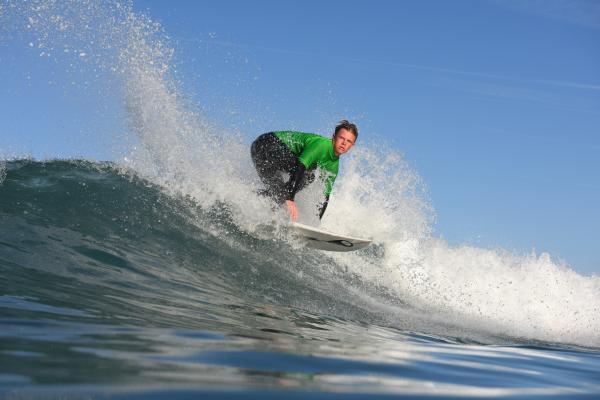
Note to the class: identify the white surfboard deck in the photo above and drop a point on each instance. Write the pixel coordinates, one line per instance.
(323, 240)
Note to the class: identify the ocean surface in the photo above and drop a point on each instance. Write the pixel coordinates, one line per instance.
(161, 274)
(110, 287)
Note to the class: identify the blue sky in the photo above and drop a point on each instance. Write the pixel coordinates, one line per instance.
(496, 104)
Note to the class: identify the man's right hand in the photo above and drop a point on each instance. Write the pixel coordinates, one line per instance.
(292, 209)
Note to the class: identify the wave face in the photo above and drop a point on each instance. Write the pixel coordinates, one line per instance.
(105, 277)
(168, 248)
(98, 232)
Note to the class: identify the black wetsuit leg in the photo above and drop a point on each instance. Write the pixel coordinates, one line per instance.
(271, 158)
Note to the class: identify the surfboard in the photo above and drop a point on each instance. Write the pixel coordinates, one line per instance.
(324, 240)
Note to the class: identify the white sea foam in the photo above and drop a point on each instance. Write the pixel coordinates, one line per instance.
(495, 291)
(377, 195)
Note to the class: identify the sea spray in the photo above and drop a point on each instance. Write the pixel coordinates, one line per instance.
(379, 194)
(458, 290)
(168, 142)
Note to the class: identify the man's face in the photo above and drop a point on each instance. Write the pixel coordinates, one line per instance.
(343, 141)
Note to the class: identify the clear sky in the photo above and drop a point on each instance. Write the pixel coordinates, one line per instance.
(496, 104)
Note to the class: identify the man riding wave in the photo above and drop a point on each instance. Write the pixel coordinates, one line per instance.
(299, 154)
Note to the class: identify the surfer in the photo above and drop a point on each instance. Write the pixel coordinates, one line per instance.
(299, 154)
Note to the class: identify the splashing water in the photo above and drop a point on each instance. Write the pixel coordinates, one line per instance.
(377, 194)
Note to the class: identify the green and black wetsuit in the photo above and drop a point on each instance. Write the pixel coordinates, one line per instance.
(298, 154)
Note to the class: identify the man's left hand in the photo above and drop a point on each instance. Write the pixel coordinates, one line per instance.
(292, 209)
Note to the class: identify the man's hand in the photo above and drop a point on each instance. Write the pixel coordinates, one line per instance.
(292, 210)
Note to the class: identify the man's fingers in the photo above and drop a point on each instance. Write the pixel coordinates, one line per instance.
(292, 210)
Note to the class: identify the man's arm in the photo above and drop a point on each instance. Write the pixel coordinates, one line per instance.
(323, 206)
(295, 182)
(292, 187)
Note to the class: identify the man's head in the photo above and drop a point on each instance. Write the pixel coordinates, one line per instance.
(344, 137)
